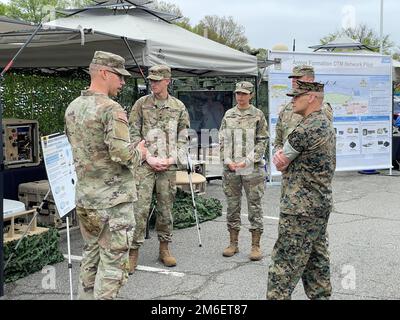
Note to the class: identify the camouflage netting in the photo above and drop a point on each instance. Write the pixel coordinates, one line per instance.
(33, 253)
(35, 95)
(183, 213)
(45, 97)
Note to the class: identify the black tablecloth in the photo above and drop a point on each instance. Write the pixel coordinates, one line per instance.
(16, 176)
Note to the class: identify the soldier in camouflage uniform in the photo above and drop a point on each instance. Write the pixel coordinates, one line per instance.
(97, 128)
(307, 162)
(162, 120)
(288, 120)
(243, 141)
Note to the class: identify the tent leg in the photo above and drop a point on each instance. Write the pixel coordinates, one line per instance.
(69, 262)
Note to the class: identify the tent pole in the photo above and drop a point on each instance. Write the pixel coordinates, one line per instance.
(9, 65)
(134, 59)
(1, 193)
(6, 68)
(256, 88)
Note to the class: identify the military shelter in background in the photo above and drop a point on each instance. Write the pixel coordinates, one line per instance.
(142, 36)
(71, 41)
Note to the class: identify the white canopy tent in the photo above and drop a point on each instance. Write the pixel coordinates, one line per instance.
(12, 25)
(71, 41)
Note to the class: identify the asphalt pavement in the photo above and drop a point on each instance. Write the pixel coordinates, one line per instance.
(364, 238)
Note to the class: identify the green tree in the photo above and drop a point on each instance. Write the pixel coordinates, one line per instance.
(37, 10)
(3, 9)
(220, 29)
(260, 53)
(224, 30)
(396, 53)
(31, 10)
(184, 22)
(79, 3)
(364, 35)
(164, 6)
(174, 9)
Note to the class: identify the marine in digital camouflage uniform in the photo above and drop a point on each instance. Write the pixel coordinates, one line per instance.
(287, 119)
(162, 120)
(243, 141)
(308, 162)
(97, 128)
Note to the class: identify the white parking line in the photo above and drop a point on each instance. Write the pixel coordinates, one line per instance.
(142, 268)
(76, 258)
(272, 218)
(265, 217)
(161, 271)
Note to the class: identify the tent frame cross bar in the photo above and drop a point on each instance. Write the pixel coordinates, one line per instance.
(134, 59)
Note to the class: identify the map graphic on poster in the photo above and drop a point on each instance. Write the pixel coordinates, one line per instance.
(60, 170)
(359, 89)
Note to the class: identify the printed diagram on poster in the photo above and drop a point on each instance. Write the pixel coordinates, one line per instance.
(359, 89)
(60, 169)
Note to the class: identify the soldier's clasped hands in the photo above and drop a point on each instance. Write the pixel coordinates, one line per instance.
(280, 161)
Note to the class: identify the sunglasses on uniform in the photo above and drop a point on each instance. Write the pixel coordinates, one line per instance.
(120, 76)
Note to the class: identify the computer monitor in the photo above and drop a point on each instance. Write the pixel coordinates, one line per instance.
(206, 107)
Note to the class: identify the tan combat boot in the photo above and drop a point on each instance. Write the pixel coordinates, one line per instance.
(233, 246)
(133, 258)
(165, 256)
(255, 254)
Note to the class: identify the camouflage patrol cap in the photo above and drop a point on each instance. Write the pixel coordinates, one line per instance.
(159, 72)
(245, 87)
(304, 87)
(301, 71)
(113, 61)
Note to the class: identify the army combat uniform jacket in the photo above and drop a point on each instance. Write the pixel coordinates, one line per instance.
(243, 136)
(97, 128)
(163, 124)
(164, 127)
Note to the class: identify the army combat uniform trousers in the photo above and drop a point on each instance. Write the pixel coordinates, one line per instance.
(301, 251)
(165, 184)
(254, 187)
(107, 234)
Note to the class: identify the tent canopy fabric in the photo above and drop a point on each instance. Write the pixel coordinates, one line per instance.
(341, 43)
(12, 25)
(152, 40)
(113, 4)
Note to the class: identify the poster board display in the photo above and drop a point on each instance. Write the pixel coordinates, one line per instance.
(58, 159)
(359, 89)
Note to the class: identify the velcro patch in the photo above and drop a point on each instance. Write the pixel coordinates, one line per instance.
(121, 116)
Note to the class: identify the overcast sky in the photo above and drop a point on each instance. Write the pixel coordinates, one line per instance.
(268, 22)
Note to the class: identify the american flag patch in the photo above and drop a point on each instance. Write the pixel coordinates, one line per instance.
(121, 115)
